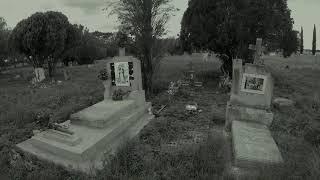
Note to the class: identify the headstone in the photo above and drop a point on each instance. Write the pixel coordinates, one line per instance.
(39, 74)
(66, 74)
(248, 114)
(98, 129)
(190, 78)
(252, 86)
(125, 74)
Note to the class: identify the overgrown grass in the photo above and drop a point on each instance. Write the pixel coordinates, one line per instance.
(140, 160)
(296, 129)
(24, 108)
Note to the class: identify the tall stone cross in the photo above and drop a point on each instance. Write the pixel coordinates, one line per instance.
(258, 50)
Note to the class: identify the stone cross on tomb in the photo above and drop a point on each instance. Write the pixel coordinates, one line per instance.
(258, 51)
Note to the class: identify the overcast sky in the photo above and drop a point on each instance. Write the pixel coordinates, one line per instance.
(90, 14)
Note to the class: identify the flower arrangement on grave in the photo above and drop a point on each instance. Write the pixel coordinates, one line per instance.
(173, 88)
(119, 94)
(225, 83)
(103, 74)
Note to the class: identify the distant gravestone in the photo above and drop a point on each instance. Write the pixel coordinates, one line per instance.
(39, 74)
(190, 78)
(66, 74)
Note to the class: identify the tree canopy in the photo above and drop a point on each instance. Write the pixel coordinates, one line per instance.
(4, 35)
(301, 41)
(314, 40)
(43, 37)
(228, 27)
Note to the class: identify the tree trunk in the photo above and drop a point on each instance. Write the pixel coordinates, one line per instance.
(51, 68)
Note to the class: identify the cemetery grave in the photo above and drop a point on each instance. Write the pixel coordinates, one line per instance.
(248, 115)
(100, 128)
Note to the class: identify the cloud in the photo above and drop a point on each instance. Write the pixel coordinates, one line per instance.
(88, 6)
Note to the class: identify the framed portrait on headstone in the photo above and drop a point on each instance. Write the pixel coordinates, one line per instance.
(121, 71)
(254, 83)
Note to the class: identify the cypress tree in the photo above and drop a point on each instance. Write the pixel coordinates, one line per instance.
(301, 41)
(314, 41)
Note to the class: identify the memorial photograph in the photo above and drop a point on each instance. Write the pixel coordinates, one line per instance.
(253, 83)
(122, 74)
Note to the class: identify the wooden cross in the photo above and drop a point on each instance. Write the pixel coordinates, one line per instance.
(258, 51)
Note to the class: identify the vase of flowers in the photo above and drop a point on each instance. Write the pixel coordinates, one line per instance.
(103, 76)
(119, 94)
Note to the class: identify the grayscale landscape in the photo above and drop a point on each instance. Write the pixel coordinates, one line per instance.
(159, 89)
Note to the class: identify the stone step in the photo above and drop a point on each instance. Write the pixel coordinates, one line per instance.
(94, 142)
(242, 113)
(103, 114)
(91, 138)
(253, 146)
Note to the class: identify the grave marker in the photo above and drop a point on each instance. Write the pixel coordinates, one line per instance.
(39, 73)
(100, 128)
(248, 114)
(190, 78)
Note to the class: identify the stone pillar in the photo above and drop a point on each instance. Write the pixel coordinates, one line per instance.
(236, 76)
(107, 89)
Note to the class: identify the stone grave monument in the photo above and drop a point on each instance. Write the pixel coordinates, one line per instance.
(248, 115)
(190, 78)
(98, 129)
(39, 74)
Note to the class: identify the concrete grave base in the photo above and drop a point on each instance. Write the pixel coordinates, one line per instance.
(102, 114)
(242, 113)
(253, 146)
(283, 102)
(84, 150)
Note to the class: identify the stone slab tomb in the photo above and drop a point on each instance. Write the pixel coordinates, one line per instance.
(253, 145)
(248, 115)
(100, 128)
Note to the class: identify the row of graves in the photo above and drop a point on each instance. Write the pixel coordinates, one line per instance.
(249, 115)
(81, 142)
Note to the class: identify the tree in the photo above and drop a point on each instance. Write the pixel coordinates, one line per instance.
(227, 27)
(290, 43)
(314, 41)
(145, 20)
(42, 37)
(301, 41)
(4, 36)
